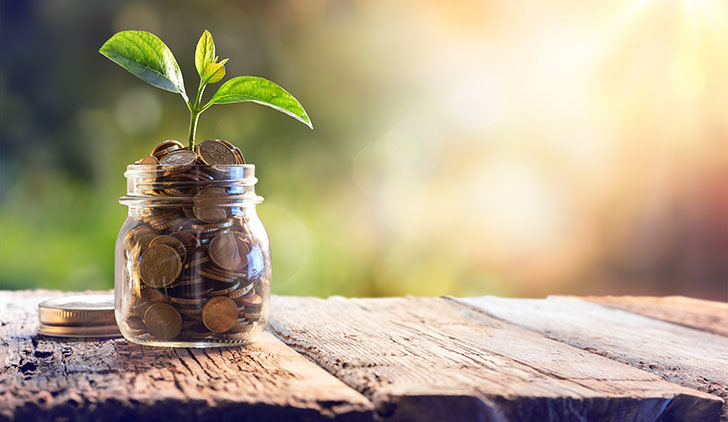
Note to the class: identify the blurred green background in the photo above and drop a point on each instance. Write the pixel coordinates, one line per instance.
(464, 148)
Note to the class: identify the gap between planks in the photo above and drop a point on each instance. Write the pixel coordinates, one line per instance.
(704, 315)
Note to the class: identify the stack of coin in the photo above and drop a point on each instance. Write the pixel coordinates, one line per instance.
(193, 265)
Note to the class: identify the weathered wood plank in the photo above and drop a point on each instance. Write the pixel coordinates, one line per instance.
(430, 359)
(705, 315)
(48, 379)
(682, 355)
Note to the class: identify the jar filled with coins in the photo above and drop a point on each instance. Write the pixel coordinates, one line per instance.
(193, 262)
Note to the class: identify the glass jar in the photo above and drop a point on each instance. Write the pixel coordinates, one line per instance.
(192, 259)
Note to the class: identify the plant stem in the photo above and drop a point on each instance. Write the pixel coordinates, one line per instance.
(195, 112)
(193, 128)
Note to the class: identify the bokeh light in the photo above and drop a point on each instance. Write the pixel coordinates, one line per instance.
(470, 147)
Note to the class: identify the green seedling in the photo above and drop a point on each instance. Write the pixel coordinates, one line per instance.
(147, 57)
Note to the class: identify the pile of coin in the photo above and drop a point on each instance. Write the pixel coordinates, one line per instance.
(194, 268)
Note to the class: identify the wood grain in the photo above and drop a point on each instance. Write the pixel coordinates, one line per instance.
(704, 315)
(430, 359)
(63, 379)
(682, 355)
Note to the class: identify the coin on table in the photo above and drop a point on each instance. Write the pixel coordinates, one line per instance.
(162, 321)
(219, 314)
(160, 266)
(178, 161)
(229, 252)
(207, 207)
(165, 147)
(213, 152)
(149, 160)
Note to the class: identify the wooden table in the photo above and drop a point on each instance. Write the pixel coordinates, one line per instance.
(405, 359)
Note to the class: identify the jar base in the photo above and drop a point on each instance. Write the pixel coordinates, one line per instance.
(197, 344)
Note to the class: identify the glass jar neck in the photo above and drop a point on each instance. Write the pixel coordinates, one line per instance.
(211, 186)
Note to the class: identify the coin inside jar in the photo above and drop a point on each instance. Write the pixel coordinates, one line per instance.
(219, 314)
(162, 321)
(191, 255)
(229, 251)
(172, 242)
(205, 208)
(160, 266)
(189, 241)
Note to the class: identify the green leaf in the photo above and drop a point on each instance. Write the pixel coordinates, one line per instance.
(205, 52)
(261, 91)
(214, 72)
(147, 57)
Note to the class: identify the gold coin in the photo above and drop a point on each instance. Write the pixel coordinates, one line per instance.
(151, 296)
(189, 311)
(214, 275)
(168, 222)
(213, 152)
(252, 303)
(197, 301)
(149, 160)
(219, 314)
(239, 155)
(188, 280)
(223, 291)
(236, 151)
(165, 147)
(252, 317)
(190, 323)
(192, 291)
(242, 292)
(172, 242)
(162, 321)
(239, 336)
(134, 323)
(160, 266)
(229, 252)
(242, 325)
(189, 240)
(196, 260)
(226, 142)
(137, 239)
(212, 227)
(207, 207)
(145, 240)
(178, 161)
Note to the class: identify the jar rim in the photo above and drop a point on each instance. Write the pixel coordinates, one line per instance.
(146, 180)
(135, 168)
